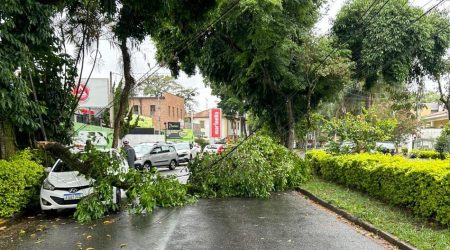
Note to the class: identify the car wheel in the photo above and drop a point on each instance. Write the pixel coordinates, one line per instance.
(147, 166)
(172, 165)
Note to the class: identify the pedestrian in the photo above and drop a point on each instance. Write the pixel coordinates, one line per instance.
(131, 154)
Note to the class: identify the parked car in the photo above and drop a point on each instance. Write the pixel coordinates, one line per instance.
(197, 148)
(63, 188)
(385, 147)
(185, 152)
(214, 149)
(155, 155)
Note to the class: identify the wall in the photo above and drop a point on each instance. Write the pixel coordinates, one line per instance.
(168, 100)
(136, 139)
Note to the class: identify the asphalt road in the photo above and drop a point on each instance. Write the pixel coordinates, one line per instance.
(285, 221)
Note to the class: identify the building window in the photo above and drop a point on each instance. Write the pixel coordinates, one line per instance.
(152, 110)
(173, 111)
(202, 124)
(178, 113)
(169, 110)
(136, 109)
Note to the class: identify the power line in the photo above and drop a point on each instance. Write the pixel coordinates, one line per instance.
(156, 67)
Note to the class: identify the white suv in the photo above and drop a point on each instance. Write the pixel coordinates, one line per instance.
(155, 155)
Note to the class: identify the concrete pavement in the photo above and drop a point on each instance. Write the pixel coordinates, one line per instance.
(285, 221)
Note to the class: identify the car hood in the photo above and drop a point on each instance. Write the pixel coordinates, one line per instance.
(183, 151)
(67, 179)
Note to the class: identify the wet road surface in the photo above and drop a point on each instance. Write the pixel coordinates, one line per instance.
(285, 221)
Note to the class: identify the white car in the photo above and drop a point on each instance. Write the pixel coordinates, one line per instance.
(185, 152)
(63, 188)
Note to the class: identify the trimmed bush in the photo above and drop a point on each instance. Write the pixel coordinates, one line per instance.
(257, 167)
(20, 179)
(423, 186)
(425, 154)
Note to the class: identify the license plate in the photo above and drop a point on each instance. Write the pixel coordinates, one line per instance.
(75, 196)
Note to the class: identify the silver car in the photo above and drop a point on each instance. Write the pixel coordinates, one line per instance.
(155, 155)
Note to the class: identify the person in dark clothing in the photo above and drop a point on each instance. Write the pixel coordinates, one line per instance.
(131, 154)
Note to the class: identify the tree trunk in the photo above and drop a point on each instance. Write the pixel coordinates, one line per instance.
(7, 139)
(243, 126)
(291, 125)
(368, 101)
(129, 85)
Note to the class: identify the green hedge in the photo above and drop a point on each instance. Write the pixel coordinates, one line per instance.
(256, 168)
(423, 186)
(20, 179)
(425, 154)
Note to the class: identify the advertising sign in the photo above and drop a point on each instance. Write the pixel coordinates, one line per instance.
(215, 121)
(99, 136)
(182, 135)
(173, 126)
(96, 92)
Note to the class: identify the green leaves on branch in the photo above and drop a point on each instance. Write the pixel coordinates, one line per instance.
(258, 167)
(363, 130)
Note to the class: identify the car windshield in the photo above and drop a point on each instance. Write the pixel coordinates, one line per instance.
(182, 146)
(62, 167)
(142, 149)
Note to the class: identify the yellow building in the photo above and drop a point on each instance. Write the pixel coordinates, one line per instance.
(435, 120)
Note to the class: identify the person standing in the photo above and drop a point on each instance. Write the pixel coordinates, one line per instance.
(131, 154)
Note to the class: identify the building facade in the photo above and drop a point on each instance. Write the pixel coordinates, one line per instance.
(163, 109)
(202, 125)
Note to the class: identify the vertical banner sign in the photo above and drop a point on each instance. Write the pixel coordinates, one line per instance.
(215, 120)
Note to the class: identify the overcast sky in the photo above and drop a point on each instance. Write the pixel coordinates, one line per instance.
(144, 58)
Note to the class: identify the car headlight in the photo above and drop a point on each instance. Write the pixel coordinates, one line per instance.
(47, 185)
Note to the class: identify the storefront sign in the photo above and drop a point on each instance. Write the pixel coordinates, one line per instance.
(173, 126)
(215, 121)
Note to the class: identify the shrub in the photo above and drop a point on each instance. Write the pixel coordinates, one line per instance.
(20, 179)
(423, 186)
(425, 154)
(404, 150)
(256, 168)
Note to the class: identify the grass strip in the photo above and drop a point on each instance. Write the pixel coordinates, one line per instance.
(397, 221)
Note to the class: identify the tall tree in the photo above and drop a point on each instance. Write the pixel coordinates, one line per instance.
(443, 82)
(256, 52)
(393, 43)
(31, 61)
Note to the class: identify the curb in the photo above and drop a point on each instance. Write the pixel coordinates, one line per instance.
(365, 225)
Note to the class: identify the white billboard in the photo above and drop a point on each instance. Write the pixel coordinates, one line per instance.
(96, 94)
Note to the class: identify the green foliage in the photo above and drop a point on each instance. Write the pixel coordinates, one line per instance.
(425, 154)
(442, 144)
(404, 150)
(202, 142)
(20, 179)
(363, 130)
(145, 190)
(256, 168)
(403, 48)
(423, 186)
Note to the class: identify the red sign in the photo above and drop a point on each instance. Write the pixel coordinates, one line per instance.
(215, 119)
(82, 92)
